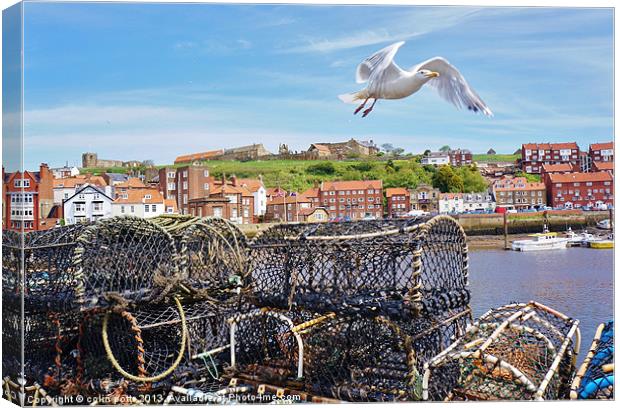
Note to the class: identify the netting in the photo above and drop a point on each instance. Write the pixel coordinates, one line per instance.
(393, 268)
(516, 352)
(595, 377)
(176, 307)
(121, 308)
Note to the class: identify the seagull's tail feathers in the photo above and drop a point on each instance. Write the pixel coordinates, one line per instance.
(352, 97)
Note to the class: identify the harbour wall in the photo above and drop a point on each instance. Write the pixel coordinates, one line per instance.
(493, 224)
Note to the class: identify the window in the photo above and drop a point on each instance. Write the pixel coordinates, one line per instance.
(206, 173)
(146, 208)
(147, 196)
(172, 186)
(185, 185)
(153, 208)
(122, 209)
(78, 207)
(206, 186)
(172, 174)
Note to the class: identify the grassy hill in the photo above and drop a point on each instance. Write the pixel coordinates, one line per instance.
(494, 158)
(299, 175)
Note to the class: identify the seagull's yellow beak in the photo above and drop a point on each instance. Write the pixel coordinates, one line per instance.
(432, 74)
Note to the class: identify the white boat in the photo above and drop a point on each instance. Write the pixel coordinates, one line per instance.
(541, 242)
(604, 224)
(579, 239)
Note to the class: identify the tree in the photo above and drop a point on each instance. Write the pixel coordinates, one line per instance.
(426, 153)
(398, 151)
(447, 181)
(325, 168)
(445, 148)
(387, 147)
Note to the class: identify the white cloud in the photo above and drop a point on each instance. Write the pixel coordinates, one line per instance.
(401, 26)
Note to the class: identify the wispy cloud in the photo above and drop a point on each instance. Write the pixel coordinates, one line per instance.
(399, 26)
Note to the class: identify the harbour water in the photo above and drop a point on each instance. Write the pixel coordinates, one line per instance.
(576, 281)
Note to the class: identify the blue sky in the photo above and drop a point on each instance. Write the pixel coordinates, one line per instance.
(153, 81)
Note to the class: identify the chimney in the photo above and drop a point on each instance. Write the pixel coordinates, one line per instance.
(223, 179)
(233, 179)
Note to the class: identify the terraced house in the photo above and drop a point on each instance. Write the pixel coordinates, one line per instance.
(519, 193)
(535, 155)
(578, 190)
(357, 199)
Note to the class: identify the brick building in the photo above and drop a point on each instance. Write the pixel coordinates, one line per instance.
(184, 184)
(602, 152)
(288, 208)
(577, 190)
(28, 199)
(228, 201)
(398, 201)
(356, 199)
(460, 157)
(534, 155)
(519, 193)
(603, 166)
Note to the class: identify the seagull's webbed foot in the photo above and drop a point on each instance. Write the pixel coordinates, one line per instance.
(359, 108)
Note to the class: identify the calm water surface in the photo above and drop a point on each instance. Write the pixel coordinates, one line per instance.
(576, 281)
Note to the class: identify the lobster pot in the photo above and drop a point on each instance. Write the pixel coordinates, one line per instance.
(595, 377)
(155, 342)
(128, 256)
(393, 268)
(46, 283)
(212, 253)
(49, 278)
(516, 352)
(342, 357)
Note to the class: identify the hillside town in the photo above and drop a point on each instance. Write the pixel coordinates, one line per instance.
(546, 176)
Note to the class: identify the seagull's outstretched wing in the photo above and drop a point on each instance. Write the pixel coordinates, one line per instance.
(379, 66)
(452, 86)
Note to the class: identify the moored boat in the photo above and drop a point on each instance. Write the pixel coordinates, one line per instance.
(604, 224)
(602, 244)
(541, 242)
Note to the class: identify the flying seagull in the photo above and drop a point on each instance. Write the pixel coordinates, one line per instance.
(386, 80)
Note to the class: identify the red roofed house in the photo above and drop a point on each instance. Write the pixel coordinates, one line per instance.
(353, 199)
(519, 193)
(603, 152)
(576, 190)
(603, 166)
(398, 201)
(140, 202)
(534, 155)
(197, 157)
(258, 190)
(229, 201)
(561, 168)
(317, 214)
(287, 208)
(28, 199)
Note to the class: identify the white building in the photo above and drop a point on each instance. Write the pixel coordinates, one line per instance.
(258, 190)
(66, 187)
(482, 201)
(436, 159)
(451, 203)
(139, 202)
(89, 203)
(64, 172)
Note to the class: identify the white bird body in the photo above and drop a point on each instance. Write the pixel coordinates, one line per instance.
(386, 80)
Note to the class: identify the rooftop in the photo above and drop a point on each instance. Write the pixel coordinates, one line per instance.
(580, 177)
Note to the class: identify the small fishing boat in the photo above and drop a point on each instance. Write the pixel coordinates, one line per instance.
(541, 242)
(579, 239)
(602, 244)
(604, 224)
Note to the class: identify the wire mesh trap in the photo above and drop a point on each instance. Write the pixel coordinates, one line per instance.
(122, 307)
(595, 377)
(516, 352)
(393, 268)
(332, 356)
